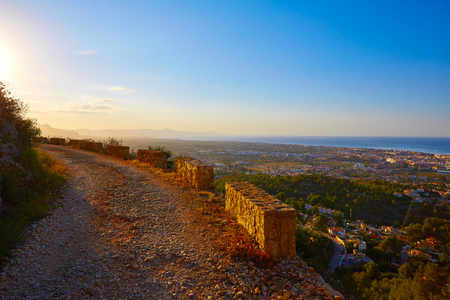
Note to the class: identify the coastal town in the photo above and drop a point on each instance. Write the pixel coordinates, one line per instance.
(383, 209)
(428, 172)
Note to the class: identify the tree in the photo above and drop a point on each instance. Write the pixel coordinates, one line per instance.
(290, 201)
(338, 218)
(392, 243)
(314, 210)
(414, 232)
(302, 205)
(363, 279)
(320, 223)
(402, 291)
(281, 196)
(372, 270)
(429, 284)
(14, 110)
(406, 271)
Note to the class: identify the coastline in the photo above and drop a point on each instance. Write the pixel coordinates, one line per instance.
(430, 145)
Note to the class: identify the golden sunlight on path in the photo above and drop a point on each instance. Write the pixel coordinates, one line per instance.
(120, 232)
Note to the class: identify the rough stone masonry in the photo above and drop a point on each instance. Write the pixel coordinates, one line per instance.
(270, 221)
(122, 152)
(157, 159)
(199, 175)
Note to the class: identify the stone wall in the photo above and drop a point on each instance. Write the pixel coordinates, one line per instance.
(91, 146)
(40, 140)
(156, 159)
(57, 141)
(86, 145)
(197, 174)
(122, 152)
(270, 221)
(75, 143)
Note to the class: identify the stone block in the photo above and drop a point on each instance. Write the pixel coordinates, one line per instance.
(156, 159)
(57, 141)
(199, 175)
(75, 143)
(40, 140)
(270, 221)
(91, 146)
(122, 152)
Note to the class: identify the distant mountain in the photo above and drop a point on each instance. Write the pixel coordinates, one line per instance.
(49, 131)
(144, 133)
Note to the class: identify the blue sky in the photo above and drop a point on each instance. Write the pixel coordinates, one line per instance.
(239, 67)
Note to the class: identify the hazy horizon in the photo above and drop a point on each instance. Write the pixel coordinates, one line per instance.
(236, 68)
(220, 134)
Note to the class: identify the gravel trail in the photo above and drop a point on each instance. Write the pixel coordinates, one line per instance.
(120, 232)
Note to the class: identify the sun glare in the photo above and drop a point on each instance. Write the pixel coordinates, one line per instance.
(3, 63)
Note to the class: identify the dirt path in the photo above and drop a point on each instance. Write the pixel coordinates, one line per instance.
(120, 232)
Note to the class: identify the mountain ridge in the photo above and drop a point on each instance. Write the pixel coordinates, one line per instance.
(48, 130)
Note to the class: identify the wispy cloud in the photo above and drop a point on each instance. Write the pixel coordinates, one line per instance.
(115, 88)
(85, 52)
(92, 107)
(107, 101)
(76, 112)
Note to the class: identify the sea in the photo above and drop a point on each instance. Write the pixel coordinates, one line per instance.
(434, 145)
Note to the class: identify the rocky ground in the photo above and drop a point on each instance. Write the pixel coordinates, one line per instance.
(120, 232)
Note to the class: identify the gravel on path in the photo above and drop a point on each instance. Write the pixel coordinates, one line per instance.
(120, 232)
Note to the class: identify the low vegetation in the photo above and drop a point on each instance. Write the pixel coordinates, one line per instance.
(414, 280)
(27, 195)
(110, 141)
(314, 248)
(31, 182)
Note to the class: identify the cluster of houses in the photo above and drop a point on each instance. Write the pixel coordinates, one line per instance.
(425, 249)
(421, 195)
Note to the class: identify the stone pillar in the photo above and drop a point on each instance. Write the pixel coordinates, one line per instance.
(199, 175)
(122, 152)
(156, 159)
(92, 146)
(270, 221)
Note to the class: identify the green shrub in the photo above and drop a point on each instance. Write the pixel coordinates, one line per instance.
(314, 248)
(110, 141)
(27, 195)
(14, 110)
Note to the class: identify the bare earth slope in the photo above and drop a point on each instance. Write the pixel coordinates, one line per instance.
(120, 232)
